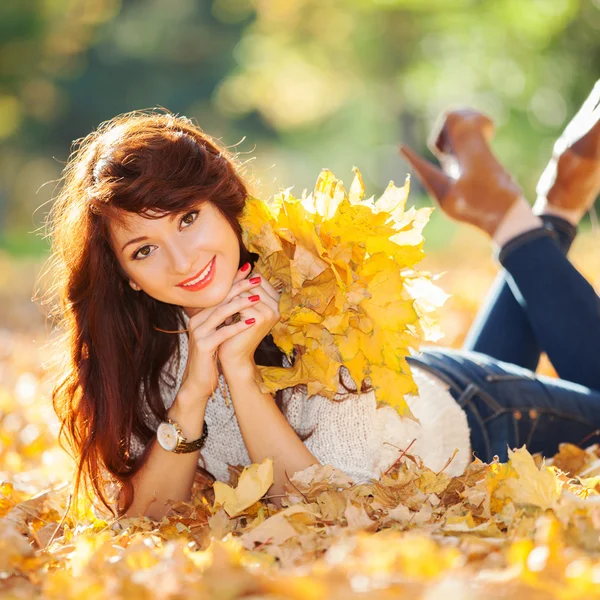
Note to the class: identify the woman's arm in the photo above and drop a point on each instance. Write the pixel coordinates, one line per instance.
(265, 429)
(166, 475)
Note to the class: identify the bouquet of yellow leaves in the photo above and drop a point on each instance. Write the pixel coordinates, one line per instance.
(350, 295)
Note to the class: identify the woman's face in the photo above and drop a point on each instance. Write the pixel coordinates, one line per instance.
(159, 255)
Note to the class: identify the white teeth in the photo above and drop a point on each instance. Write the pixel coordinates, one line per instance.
(200, 277)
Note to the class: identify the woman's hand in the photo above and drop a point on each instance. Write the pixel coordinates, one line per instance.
(205, 336)
(238, 350)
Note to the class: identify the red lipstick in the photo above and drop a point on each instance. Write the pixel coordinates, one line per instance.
(203, 282)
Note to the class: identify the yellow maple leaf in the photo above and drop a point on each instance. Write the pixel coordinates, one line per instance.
(350, 293)
(528, 485)
(253, 484)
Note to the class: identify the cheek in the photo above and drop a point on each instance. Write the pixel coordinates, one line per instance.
(233, 243)
(128, 274)
(150, 273)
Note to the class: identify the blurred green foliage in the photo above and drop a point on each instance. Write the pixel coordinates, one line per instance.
(295, 85)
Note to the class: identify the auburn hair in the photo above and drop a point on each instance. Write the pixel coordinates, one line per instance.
(112, 356)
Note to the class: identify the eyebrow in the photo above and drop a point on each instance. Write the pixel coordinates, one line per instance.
(133, 241)
(144, 237)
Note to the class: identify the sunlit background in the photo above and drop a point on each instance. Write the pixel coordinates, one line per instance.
(294, 86)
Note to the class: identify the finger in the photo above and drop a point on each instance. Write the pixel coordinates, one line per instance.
(270, 289)
(242, 272)
(266, 300)
(267, 286)
(239, 280)
(246, 284)
(241, 275)
(221, 313)
(225, 333)
(266, 305)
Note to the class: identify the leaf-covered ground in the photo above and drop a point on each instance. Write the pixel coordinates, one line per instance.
(528, 528)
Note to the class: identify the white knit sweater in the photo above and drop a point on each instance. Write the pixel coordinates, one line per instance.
(354, 435)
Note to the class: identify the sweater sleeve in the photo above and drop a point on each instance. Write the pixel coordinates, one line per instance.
(169, 382)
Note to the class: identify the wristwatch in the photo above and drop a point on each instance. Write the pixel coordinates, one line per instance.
(171, 438)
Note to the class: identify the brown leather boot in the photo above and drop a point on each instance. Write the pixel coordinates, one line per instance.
(571, 180)
(473, 187)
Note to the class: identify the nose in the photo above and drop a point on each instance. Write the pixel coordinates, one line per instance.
(181, 259)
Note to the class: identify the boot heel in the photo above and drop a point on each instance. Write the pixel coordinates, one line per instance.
(457, 122)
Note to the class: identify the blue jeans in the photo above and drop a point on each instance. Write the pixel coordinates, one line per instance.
(539, 302)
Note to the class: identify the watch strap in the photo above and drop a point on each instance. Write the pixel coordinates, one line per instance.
(183, 445)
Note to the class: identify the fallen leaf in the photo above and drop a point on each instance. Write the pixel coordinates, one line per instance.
(253, 484)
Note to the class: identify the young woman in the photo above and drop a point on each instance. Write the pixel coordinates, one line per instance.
(151, 272)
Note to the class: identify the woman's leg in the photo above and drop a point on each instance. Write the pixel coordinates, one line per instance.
(508, 406)
(501, 328)
(562, 308)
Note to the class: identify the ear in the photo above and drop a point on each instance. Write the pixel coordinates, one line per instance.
(134, 286)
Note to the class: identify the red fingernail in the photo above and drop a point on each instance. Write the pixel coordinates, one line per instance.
(254, 279)
(254, 298)
(245, 267)
(250, 321)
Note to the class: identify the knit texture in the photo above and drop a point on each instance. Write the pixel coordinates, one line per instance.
(353, 435)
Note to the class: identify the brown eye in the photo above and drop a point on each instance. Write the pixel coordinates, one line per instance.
(142, 252)
(189, 218)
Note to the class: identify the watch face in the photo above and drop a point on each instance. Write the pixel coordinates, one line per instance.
(166, 434)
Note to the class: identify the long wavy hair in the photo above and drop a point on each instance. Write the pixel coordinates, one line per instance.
(113, 355)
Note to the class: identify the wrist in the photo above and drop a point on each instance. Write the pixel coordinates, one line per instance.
(188, 410)
(239, 370)
(188, 396)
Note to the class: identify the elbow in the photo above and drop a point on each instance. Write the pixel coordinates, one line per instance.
(151, 510)
(133, 506)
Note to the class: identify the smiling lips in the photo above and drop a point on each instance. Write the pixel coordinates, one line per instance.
(201, 279)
